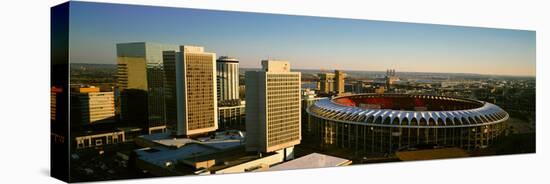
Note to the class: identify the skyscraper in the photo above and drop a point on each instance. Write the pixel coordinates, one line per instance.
(339, 83)
(227, 70)
(140, 80)
(191, 100)
(332, 83)
(326, 82)
(273, 108)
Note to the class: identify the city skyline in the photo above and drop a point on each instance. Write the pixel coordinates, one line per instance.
(169, 106)
(311, 42)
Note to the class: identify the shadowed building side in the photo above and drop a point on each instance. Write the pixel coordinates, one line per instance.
(140, 66)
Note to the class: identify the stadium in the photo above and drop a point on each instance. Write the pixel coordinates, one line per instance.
(385, 123)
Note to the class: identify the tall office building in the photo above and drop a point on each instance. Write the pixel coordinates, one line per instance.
(326, 82)
(332, 83)
(140, 82)
(273, 108)
(191, 101)
(227, 70)
(339, 83)
(90, 106)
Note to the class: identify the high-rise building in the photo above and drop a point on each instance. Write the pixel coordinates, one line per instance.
(339, 83)
(90, 106)
(273, 108)
(332, 83)
(227, 70)
(140, 82)
(191, 100)
(326, 82)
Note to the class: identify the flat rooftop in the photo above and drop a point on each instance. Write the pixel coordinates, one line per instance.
(230, 158)
(220, 140)
(160, 155)
(314, 160)
(165, 139)
(170, 149)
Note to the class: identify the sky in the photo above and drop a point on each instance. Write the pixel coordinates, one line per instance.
(306, 42)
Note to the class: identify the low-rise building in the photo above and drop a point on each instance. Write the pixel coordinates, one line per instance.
(95, 139)
(231, 115)
(91, 106)
(103, 136)
(313, 160)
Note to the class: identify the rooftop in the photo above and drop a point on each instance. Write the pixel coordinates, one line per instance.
(165, 139)
(314, 160)
(224, 140)
(220, 140)
(230, 158)
(167, 151)
(407, 102)
(227, 59)
(408, 110)
(161, 155)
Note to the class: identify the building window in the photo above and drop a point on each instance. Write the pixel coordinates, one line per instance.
(98, 142)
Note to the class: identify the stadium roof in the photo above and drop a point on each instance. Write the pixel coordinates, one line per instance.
(483, 114)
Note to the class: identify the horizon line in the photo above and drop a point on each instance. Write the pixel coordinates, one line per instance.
(397, 71)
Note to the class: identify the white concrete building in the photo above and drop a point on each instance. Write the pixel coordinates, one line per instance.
(273, 108)
(227, 70)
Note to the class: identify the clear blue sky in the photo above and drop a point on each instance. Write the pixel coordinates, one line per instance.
(307, 42)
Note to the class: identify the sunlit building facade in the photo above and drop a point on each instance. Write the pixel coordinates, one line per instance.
(273, 108)
(91, 106)
(332, 83)
(326, 82)
(191, 99)
(339, 81)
